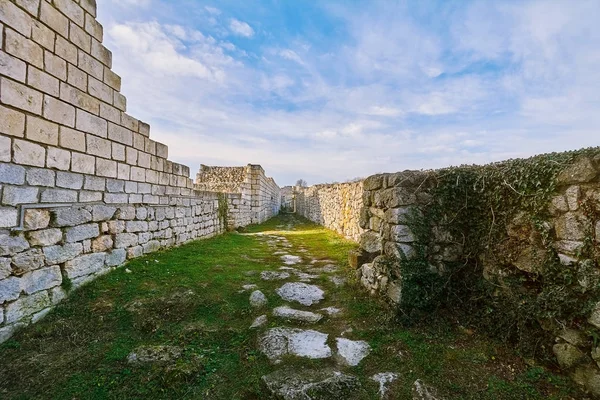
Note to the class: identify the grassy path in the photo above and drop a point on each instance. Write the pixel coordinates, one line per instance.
(186, 316)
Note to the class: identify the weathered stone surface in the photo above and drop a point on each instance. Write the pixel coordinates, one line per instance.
(8, 217)
(5, 269)
(85, 265)
(567, 355)
(70, 217)
(12, 174)
(259, 322)
(61, 254)
(26, 306)
(102, 243)
(28, 261)
(401, 234)
(291, 260)
(581, 171)
(36, 219)
(15, 195)
(10, 288)
(41, 279)
(82, 232)
(370, 242)
(277, 342)
(332, 310)
(594, 318)
(258, 299)
(296, 315)
(273, 275)
(301, 292)
(124, 240)
(154, 354)
(570, 226)
(352, 352)
(151, 246)
(116, 257)
(322, 384)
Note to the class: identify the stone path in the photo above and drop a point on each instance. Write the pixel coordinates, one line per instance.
(291, 339)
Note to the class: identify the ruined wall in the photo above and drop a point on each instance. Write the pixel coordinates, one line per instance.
(335, 206)
(252, 196)
(83, 188)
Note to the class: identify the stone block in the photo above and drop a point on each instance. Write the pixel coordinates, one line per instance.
(103, 55)
(106, 168)
(124, 240)
(63, 217)
(12, 174)
(83, 163)
(24, 48)
(78, 78)
(100, 90)
(72, 10)
(115, 186)
(573, 195)
(58, 158)
(66, 50)
(79, 99)
(54, 19)
(59, 196)
(28, 261)
(116, 198)
(16, 18)
(45, 237)
(42, 81)
(138, 174)
(62, 113)
(8, 217)
(10, 289)
(13, 67)
(41, 34)
(371, 242)
(69, 180)
(110, 113)
(118, 152)
(82, 232)
(103, 213)
(11, 245)
(570, 226)
(116, 257)
(401, 233)
(12, 122)
(123, 171)
(120, 101)
(151, 246)
(120, 134)
(14, 195)
(102, 244)
(27, 153)
(21, 96)
(94, 183)
(135, 252)
(97, 126)
(113, 80)
(581, 171)
(70, 138)
(40, 177)
(93, 27)
(62, 254)
(143, 159)
(5, 269)
(115, 227)
(26, 306)
(41, 279)
(35, 219)
(85, 265)
(90, 65)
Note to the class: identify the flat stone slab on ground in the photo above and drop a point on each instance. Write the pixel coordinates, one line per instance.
(291, 384)
(351, 352)
(301, 292)
(338, 280)
(277, 342)
(154, 354)
(296, 315)
(259, 321)
(274, 275)
(304, 277)
(324, 269)
(258, 299)
(291, 260)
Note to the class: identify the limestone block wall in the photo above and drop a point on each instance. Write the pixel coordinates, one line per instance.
(335, 206)
(253, 197)
(83, 187)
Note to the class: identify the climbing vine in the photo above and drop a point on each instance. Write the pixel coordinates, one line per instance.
(223, 210)
(490, 212)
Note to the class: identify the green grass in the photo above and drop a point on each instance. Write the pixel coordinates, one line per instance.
(188, 297)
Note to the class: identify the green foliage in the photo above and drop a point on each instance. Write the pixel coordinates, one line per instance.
(223, 210)
(476, 205)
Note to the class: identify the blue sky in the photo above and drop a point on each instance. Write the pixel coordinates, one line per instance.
(333, 90)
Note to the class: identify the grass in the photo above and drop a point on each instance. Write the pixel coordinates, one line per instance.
(189, 297)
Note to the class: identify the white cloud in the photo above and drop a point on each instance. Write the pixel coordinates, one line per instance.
(240, 28)
(213, 10)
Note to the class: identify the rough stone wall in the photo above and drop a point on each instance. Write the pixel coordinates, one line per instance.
(83, 188)
(336, 206)
(287, 198)
(253, 197)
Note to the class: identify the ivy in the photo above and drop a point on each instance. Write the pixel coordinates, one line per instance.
(476, 205)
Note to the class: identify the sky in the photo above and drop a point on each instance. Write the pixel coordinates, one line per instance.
(330, 91)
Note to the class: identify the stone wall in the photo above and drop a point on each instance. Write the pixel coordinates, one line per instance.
(252, 196)
(83, 187)
(335, 206)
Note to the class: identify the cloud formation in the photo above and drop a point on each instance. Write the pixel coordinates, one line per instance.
(332, 91)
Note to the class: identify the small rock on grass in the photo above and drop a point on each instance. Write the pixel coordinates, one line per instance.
(258, 299)
(274, 276)
(384, 379)
(296, 315)
(352, 352)
(259, 321)
(293, 384)
(302, 293)
(422, 391)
